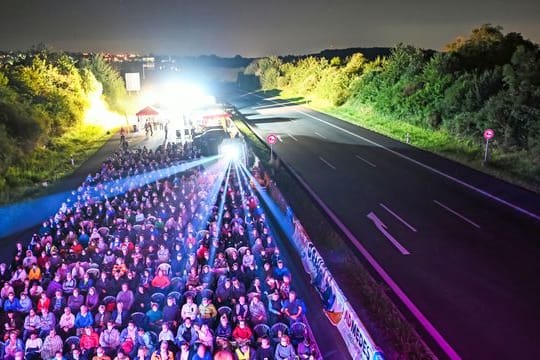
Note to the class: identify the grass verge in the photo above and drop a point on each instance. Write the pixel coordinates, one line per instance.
(47, 164)
(386, 324)
(518, 168)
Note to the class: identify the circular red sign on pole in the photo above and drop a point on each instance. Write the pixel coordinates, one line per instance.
(272, 139)
(489, 134)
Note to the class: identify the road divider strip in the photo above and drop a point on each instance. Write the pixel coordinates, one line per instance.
(366, 161)
(398, 217)
(292, 137)
(327, 163)
(457, 214)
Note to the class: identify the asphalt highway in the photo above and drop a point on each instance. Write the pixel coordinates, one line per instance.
(460, 249)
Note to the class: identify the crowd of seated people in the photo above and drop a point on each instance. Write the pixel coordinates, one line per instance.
(157, 270)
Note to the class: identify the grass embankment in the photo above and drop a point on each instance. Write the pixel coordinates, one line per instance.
(387, 325)
(47, 164)
(514, 167)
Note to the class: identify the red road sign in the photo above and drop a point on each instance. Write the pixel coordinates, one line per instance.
(489, 134)
(272, 139)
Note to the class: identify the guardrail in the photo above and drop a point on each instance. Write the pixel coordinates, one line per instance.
(338, 310)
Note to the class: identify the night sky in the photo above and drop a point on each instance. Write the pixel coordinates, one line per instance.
(252, 27)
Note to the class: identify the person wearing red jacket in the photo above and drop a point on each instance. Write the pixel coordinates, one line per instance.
(242, 332)
(161, 281)
(43, 303)
(89, 341)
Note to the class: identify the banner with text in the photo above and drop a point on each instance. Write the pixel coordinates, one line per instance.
(337, 308)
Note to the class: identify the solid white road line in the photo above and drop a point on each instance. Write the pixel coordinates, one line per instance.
(366, 161)
(327, 163)
(320, 135)
(457, 214)
(292, 137)
(398, 217)
(450, 177)
(382, 228)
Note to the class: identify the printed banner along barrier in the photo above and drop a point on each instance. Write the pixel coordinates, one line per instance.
(336, 306)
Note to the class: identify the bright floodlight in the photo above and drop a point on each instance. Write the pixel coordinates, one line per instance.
(183, 96)
(231, 151)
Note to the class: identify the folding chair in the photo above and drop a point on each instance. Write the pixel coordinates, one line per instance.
(139, 318)
(297, 332)
(261, 330)
(158, 298)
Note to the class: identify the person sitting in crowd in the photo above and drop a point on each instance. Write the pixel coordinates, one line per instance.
(224, 329)
(101, 318)
(12, 345)
(66, 325)
(25, 303)
(89, 341)
(92, 299)
(32, 324)
(109, 338)
(83, 319)
(120, 316)
(52, 344)
(292, 308)
(43, 303)
(170, 311)
(186, 332)
(163, 352)
(245, 352)
(69, 284)
(284, 349)
(161, 280)
(154, 317)
(125, 296)
(165, 334)
(33, 347)
(47, 322)
(100, 354)
(205, 336)
(265, 349)
(202, 353)
(207, 311)
(242, 332)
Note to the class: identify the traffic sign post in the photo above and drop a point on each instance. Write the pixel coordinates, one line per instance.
(272, 139)
(488, 135)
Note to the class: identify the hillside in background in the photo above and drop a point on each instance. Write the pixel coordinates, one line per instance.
(370, 53)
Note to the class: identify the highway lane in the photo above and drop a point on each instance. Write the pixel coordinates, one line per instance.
(473, 261)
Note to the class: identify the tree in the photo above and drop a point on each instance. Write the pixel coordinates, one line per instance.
(114, 90)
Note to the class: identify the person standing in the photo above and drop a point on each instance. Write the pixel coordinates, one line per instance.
(166, 129)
